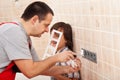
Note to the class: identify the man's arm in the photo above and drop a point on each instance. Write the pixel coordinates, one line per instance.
(31, 69)
(58, 70)
(60, 77)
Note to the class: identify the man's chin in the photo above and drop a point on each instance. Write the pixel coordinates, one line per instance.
(36, 35)
(40, 35)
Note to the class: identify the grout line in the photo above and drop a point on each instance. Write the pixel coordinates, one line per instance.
(96, 72)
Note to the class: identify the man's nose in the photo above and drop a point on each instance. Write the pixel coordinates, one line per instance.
(47, 29)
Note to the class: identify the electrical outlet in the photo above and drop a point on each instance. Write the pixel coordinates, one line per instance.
(89, 55)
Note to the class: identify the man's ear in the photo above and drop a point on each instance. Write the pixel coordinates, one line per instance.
(34, 19)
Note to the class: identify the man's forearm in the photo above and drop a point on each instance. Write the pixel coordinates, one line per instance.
(60, 77)
(32, 69)
(58, 70)
(55, 70)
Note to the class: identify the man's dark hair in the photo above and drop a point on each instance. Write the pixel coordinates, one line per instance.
(38, 8)
(67, 32)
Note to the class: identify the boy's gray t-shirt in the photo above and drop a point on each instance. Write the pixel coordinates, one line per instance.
(14, 44)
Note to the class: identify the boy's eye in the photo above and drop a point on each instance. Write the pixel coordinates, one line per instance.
(56, 35)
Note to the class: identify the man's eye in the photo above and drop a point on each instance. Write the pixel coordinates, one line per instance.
(46, 25)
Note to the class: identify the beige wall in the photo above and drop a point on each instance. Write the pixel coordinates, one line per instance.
(96, 27)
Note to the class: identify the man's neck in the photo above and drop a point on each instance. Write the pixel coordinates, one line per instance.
(26, 25)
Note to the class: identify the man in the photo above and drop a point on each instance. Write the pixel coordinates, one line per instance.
(17, 52)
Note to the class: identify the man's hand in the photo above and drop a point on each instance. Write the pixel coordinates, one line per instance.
(78, 62)
(64, 56)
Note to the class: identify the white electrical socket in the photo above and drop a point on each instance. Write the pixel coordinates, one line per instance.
(92, 56)
(82, 52)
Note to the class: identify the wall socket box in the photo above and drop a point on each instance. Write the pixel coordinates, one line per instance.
(89, 55)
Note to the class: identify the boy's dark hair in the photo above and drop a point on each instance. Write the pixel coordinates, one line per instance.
(38, 8)
(67, 32)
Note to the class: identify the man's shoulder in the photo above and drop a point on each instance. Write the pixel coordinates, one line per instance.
(8, 27)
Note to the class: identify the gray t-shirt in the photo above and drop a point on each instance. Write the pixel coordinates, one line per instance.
(14, 44)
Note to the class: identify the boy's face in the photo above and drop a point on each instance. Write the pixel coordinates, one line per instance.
(62, 42)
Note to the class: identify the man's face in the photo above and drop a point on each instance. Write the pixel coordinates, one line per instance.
(42, 26)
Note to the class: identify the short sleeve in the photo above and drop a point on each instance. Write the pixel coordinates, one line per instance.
(15, 44)
(34, 54)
